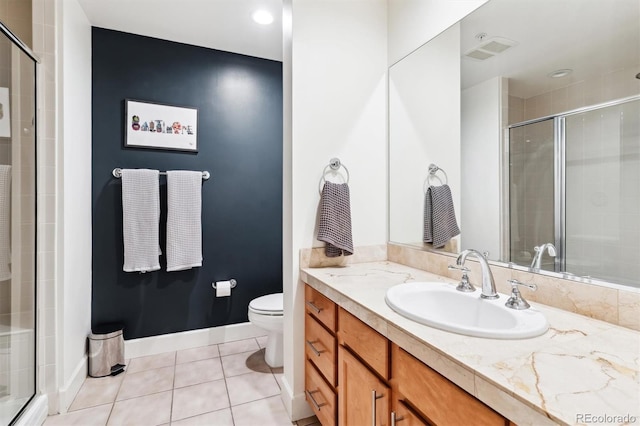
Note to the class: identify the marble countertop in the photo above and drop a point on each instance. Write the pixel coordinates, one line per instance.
(581, 371)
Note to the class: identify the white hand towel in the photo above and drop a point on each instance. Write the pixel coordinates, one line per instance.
(141, 220)
(184, 223)
(5, 222)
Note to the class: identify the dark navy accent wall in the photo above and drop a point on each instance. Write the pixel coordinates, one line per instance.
(239, 102)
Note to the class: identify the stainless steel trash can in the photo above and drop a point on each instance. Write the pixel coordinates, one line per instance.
(106, 350)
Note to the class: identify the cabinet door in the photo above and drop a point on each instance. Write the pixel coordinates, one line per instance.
(402, 415)
(363, 399)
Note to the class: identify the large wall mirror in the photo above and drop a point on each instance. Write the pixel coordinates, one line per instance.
(530, 111)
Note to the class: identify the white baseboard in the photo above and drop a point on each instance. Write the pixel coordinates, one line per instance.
(153, 345)
(36, 412)
(296, 405)
(68, 392)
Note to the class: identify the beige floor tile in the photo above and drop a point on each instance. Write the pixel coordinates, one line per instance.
(217, 418)
(146, 383)
(238, 346)
(278, 373)
(199, 399)
(197, 354)
(250, 387)
(197, 372)
(262, 341)
(309, 421)
(150, 362)
(97, 391)
(245, 362)
(146, 410)
(86, 417)
(269, 411)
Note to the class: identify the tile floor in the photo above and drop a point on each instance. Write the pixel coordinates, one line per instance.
(217, 385)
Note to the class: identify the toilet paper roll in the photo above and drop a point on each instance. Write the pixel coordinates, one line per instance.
(223, 288)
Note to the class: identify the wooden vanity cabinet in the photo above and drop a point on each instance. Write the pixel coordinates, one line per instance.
(321, 356)
(363, 370)
(438, 400)
(355, 376)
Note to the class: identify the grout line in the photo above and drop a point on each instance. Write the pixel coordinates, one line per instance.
(173, 385)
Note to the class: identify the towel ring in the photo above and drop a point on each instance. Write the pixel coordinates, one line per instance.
(433, 169)
(334, 165)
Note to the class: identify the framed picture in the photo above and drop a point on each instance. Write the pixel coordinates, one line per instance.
(5, 117)
(158, 126)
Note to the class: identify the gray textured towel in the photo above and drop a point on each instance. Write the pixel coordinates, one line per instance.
(335, 219)
(439, 216)
(140, 220)
(184, 223)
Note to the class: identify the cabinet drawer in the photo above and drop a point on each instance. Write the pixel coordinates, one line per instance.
(320, 307)
(439, 400)
(320, 396)
(320, 348)
(370, 345)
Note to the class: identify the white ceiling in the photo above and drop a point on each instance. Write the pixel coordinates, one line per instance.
(592, 37)
(216, 24)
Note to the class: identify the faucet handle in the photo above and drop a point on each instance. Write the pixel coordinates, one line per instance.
(516, 301)
(464, 269)
(464, 285)
(516, 283)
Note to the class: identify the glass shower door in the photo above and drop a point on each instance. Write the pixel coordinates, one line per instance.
(531, 191)
(603, 193)
(17, 229)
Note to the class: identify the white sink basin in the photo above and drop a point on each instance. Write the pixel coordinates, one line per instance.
(440, 305)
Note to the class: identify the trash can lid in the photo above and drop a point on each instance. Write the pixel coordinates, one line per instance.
(105, 331)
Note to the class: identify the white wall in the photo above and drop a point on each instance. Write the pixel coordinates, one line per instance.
(74, 198)
(414, 22)
(481, 121)
(424, 128)
(338, 109)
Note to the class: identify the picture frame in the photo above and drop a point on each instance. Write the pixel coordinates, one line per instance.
(159, 126)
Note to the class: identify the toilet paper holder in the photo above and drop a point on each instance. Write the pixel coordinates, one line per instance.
(231, 281)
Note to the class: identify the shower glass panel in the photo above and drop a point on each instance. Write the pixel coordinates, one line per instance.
(531, 191)
(603, 193)
(17, 228)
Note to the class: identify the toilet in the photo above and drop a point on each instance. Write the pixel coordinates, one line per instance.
(266, 312)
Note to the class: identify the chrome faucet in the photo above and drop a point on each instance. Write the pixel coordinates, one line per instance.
(488, 285)
(537, 258)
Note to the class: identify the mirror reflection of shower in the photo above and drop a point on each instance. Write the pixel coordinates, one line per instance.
(573, 181)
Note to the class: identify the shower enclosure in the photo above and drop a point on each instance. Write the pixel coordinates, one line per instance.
(574, 181)
(17, 226)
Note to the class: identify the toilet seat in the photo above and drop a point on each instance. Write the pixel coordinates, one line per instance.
(271, 305)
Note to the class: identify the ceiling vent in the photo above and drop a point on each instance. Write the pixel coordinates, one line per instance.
(489, 48)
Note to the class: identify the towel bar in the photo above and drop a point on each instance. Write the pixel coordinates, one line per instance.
(117, 173)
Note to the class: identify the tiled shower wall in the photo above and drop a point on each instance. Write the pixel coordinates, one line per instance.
(44, 46)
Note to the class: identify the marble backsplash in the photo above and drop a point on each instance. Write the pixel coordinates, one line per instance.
(616, 306)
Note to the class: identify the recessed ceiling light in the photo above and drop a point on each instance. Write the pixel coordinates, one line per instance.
(262, 17)
(560, 73)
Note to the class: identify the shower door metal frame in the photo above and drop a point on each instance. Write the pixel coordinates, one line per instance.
(560, 178)
(4, 30)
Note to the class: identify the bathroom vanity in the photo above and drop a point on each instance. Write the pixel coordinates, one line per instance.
(366, 364)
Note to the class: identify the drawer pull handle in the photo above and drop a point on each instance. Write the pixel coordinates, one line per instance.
(395, 419)
(374, 397)
(313, 348)
(313, 400)
(313, 306)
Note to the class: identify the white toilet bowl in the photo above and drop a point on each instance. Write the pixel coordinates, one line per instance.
(266, 312)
